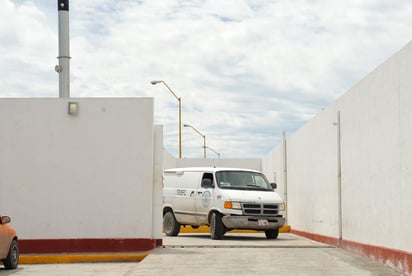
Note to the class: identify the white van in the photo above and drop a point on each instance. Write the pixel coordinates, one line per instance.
(223, 198)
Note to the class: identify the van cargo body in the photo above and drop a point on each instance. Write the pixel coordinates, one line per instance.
(222, 198)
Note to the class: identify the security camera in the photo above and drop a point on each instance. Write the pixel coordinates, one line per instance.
(58, 68)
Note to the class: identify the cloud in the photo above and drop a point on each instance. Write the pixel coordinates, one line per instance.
(26, 51)
(246, 70)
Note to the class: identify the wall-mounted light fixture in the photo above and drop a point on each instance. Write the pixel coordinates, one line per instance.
(73, 108)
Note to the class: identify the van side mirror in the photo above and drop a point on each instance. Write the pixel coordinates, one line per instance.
(207, 183)
(274, 186)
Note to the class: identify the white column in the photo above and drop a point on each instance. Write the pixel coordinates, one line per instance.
(157, 200)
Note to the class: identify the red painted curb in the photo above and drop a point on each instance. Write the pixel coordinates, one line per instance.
(46, 246)
(396, 259)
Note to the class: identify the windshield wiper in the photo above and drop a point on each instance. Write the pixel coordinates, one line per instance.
(257, 187)
(234, 187)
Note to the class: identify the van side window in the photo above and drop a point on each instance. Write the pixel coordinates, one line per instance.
(207, 180)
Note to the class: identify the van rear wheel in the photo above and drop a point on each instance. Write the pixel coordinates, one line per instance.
(170, 225)
(217, 229)
(272, 233)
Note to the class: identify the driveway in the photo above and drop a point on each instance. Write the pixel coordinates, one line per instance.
(235, 254)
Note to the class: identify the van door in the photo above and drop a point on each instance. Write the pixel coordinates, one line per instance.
(204, 197)
(185, 193)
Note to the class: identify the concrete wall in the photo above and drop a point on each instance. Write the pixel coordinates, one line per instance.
(274, 166)
(377, 155)
(77, 177)
(376, 162)
(312, 176)
(169, 161)
(157, 194)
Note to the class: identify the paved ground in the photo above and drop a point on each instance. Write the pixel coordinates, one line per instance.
(236, 254)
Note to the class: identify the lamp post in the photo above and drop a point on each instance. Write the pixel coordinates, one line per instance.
(218, 154)
(204, 138)
(63, 68)
(179, 99)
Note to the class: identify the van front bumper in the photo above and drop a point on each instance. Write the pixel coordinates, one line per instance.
(253, 223)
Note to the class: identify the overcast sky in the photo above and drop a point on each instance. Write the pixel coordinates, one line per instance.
(246, 70)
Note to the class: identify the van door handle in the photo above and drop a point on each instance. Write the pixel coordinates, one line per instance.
(199, 193)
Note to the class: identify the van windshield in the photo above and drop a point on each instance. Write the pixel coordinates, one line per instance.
(242, 180)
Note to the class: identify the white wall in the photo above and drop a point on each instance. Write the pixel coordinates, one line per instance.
(84, 176)
(377, 155)
(376, 135)
(169, 161)
(157, 211)
(275, 169)
(405, 147)
(312, 176)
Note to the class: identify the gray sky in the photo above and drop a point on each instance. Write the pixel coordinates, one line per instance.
(246, 70)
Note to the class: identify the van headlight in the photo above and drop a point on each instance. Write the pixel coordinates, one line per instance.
(282, 207)
(232, 205)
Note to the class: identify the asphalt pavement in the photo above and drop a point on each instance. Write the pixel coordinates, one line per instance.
(235, 254)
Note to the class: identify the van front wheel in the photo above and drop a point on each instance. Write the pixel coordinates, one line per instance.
(170, 225)
(272, 233)
(217, 229)
(12, 259)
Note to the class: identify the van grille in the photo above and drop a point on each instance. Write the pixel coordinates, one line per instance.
(260, 209)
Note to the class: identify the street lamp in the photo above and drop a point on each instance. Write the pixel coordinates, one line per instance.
(179, 99)
(218, 154)
(201, 134)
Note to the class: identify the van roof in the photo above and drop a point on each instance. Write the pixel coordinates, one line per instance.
(208, 169)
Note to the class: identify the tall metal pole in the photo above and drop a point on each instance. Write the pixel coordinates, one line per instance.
(218, 154)
(180, 124)
(204, 146)
(201, 134)
(179, 99)
(64, 49)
